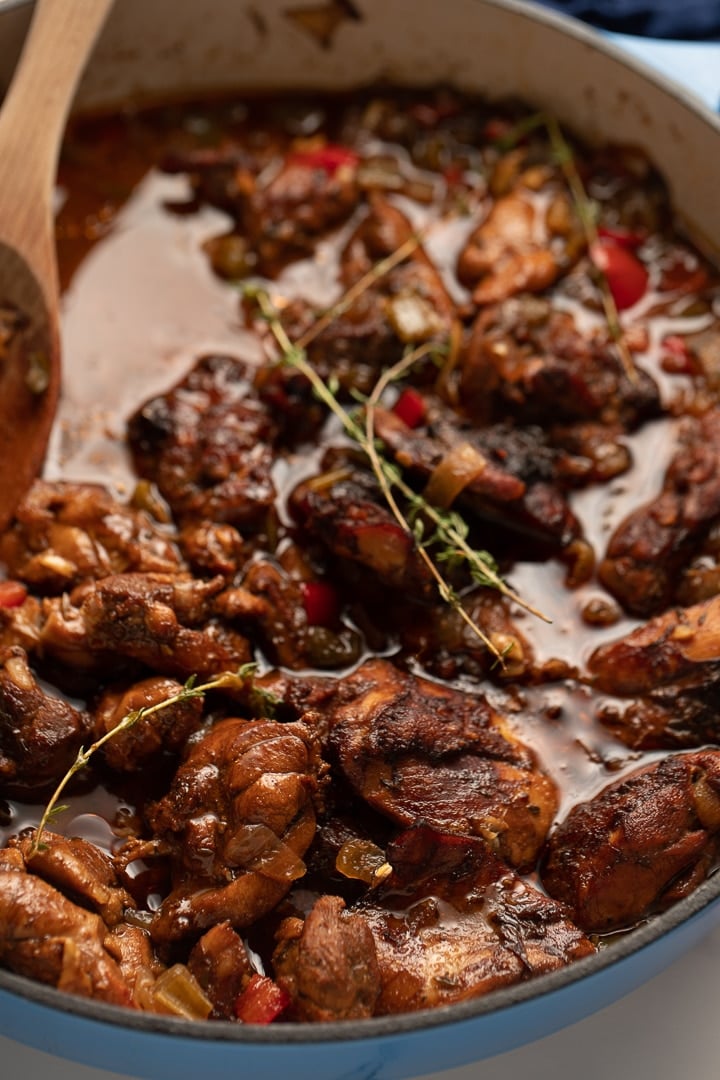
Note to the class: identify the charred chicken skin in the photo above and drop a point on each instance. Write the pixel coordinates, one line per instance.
(638, 845)
(421, 752)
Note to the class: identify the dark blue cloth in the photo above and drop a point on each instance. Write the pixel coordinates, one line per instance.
(686, 20)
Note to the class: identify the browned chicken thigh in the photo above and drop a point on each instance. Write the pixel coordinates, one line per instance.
(40, 734)
(644, 841)
(421, 752)
(237, 820)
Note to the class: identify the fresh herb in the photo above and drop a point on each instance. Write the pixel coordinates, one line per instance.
(262, 702)
(234, 679)
(586, 209)
(450, 531)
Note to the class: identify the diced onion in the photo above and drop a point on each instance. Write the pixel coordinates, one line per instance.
(413, 318)
(178, 993)
(458, 468)
(362, 860)
(256, 847)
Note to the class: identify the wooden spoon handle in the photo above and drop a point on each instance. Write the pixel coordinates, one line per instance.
(33, 115)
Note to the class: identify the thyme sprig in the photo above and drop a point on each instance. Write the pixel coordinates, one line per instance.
(377, 271)
(450, 529)
(228, 679)
(586, 210)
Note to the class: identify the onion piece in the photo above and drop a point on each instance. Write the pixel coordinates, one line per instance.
(258, 848)
(362, 860)
(458, 468)
(178, 993)
(412, 317)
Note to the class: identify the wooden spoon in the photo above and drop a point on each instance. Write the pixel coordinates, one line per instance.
(32, 122)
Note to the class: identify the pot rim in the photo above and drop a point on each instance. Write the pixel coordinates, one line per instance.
(628, 945)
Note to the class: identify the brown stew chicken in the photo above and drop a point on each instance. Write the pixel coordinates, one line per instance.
(385, 811)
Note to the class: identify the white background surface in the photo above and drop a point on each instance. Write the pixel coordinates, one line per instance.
(668, 1029)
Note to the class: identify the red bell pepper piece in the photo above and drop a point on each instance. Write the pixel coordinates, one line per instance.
(261, 1002)
(410, 407)
(12, 594)
(626, 276)
(329, 158)
(320, 602)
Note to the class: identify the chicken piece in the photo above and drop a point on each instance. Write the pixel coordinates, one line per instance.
(682, 643)
(452, 922)
(221, 965)
(349, 519)
(282, 199)
(648, 550)
(207, 444)
(218, 172)
(66, 534)
(446, 646)
(418, 751)
(162, 621)
(238, 819)
(670, 718)
(163, 731)
(289, 636)
(525, 359)
(312, 192)
(509, 252)
(700, 578)
(132, 950)
(509, 475)
(406, 306)
(293, 404)
(595, 453)
(327, 964)
(46, 937)
(11, 860)
(21, 624)
(643, 842)
(40, 735)
(670, 667)
(213, 549)
(77, 868)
